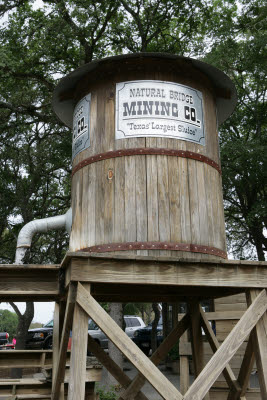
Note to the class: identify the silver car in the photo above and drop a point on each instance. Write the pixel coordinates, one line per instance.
(132, 323)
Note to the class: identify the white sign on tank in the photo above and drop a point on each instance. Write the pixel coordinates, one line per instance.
(81, 127)
(159, 109)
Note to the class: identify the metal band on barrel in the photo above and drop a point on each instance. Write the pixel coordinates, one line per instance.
(146, 151)
(192, 248)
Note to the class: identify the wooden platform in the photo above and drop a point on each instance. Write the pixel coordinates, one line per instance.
(92, 278)
(132, 278)
(85, 279)
(30, 282)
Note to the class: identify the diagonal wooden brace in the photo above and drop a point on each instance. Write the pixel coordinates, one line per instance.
(259, 335)
(157, 356)
(60, 369)
(214, 344)
(244, 373)
(111, 366)
(126, 346)
(229, 347)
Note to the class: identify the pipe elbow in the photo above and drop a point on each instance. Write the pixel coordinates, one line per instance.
(43, 225)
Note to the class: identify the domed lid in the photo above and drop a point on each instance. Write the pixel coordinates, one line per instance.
(63, 97)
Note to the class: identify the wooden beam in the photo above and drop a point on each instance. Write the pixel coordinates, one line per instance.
(78, 354)
(25, 358)
(57, 331)
(171, 273)
(197, 340)
(215, 345)
(221, 315)
(157, 356)
(244, 373)
(58, 374)
(184, 366)
(226, 351)
(259, 335)
(111, 366)
(29, 282)
(126, 345)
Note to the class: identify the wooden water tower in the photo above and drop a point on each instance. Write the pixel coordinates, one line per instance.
(146, 168)
(148, 221)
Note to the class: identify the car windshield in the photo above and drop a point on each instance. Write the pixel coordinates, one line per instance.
(49, 324)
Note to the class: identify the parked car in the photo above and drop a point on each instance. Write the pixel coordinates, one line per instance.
(132, 323)
(7, 346)
(142, 337)
(40, 338)
(4, 338)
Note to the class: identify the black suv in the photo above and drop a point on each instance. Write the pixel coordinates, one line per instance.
(40, 338)
(142, 337)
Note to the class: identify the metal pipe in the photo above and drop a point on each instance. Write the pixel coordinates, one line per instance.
(40, 225)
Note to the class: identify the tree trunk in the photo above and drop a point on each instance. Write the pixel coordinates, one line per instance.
(155, 322)
(116, 313)
(22, 331)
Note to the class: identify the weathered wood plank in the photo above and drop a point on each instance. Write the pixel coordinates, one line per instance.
(58, 374)
(244, 373)
(78, 354)
(218, 362)
(163, 200)
(126, 345)
(222, 315)
(141, 201)
(157, 356)
(130, 200)
(152, 199)
(57, 330)
(169, 273)
(91, 210)
(259, 335)
(197, 340)
(214, 344)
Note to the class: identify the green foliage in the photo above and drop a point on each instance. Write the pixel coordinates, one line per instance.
(8, 322)
(105, 394)
(40, 45)
(243, 137)
(173, 354)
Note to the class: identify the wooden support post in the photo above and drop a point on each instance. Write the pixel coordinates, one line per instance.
(226, 351)
(259, 335)
(244, 373)
(57, 331)
(78, 354)
(184, 367)
(59, 369)
(214, 344)
(157, 356)
(197, 340)
(126, 346)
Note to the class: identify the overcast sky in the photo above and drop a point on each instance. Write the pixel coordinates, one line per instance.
(43, 312)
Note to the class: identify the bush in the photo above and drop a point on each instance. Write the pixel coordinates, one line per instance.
(106, 394)
(173, 354)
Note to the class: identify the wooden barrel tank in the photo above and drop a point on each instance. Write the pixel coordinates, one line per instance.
(146, 169)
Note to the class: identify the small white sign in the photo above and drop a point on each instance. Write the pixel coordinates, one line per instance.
(81, 119)
(159, 109)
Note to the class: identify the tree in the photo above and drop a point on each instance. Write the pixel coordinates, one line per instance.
(8, 322)
(40, 45)
(243, 137)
